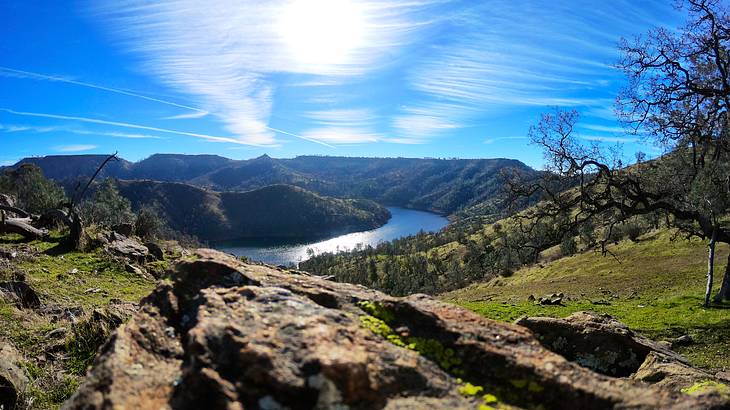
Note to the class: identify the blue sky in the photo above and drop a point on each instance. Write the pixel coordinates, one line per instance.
(412, 78)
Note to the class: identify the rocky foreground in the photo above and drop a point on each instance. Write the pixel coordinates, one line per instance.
(227, 335)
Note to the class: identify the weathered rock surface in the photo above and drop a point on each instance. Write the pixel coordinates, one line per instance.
(661, 370)
(227, 335)
(598, 342)
(12, 379)
(20, 293)
(125, 247)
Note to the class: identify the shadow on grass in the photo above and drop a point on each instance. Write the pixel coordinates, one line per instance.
(63, 246)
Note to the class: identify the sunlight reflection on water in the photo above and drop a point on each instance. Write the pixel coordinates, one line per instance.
(403, 222)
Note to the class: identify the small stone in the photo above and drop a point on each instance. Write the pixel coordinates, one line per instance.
(684, 340)
(57, 333)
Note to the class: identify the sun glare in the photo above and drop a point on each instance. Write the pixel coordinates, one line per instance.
(322, 32)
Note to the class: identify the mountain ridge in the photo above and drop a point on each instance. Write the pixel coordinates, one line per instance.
(444, 186)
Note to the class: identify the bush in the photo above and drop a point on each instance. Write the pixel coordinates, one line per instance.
(108, 208)
(149, 224)
(33, 191)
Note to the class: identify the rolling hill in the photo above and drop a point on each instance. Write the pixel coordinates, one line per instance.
(274, 211)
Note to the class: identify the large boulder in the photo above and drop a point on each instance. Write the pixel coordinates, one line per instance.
(223, 334)
(598, 342)
(126, 247)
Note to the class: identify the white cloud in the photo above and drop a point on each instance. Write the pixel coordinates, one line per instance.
(23, 128)
(75, 148)
(193, 115)
(404, 141)
(334, 135)
(602, 138)
(224, 55)
(116, 134)
(563, 59)
(493, 140)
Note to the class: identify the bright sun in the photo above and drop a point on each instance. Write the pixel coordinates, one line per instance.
(322, 32)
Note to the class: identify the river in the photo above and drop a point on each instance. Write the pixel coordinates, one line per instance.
(403, 222)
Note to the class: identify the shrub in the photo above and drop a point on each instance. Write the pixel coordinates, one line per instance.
(33, 191)
(149, 224)
(107, 208)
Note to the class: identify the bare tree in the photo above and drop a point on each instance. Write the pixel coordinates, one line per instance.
(678, 96)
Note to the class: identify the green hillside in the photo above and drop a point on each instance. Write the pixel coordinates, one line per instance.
(655, 286)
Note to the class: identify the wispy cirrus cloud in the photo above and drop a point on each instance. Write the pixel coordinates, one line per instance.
(493, 62)
(75, 148)
(332, 135)
(342, 126)
(604, 138)
(489, 141)
(24, 127)
(189, 116)
(224, 56)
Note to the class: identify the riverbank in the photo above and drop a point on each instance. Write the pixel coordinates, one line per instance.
(403, 222)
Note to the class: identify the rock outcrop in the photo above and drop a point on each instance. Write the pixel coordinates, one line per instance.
(598, 342)
(129, 248)
(12, 379)
(222, 334)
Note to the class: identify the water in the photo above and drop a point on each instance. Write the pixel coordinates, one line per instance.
(403, 222)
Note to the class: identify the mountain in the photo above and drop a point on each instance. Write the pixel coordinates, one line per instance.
(254, 173)
(177, 168)
(61, 167)
(274, 211)
(439, 185)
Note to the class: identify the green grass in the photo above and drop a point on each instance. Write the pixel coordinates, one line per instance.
(655, 286)
(62, 278)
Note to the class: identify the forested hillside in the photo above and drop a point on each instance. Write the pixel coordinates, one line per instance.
(274, 211)
(437, 185)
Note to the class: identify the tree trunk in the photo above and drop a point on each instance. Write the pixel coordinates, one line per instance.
(724, 293)
(22, 227)
(710, 267)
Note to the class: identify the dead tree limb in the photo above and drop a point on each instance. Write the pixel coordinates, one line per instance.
(23, 228)
(77, 225)
(78, 196)
(15, 210)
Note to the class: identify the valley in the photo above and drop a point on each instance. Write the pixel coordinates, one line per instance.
(403, 222)
(358, 204)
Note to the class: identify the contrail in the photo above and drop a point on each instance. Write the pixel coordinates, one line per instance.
(127, 125)
(100, 87)
(301, 137)
(198, 112)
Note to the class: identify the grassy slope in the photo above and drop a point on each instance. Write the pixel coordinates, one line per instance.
(48, 267)
(654, 286)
